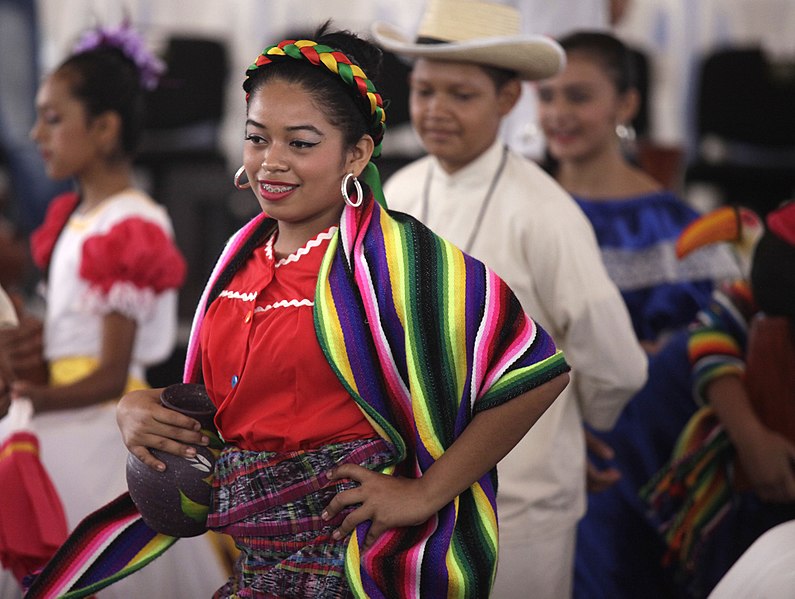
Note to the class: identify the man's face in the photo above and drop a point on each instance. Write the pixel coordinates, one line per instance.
(456, 110)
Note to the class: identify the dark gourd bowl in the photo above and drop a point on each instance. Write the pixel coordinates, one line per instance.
(176, 502)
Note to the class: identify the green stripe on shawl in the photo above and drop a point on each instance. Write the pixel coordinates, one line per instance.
(505, 388)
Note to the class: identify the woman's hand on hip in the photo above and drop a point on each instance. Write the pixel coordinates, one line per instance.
(388, 501)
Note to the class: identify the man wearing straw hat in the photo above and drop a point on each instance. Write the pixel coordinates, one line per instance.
(504, 210)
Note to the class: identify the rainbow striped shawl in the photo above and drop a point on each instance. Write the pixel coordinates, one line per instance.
(423, 337)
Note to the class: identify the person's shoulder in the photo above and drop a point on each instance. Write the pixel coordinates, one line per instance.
(135, 203)
(536, 194)
(403, 188)
(664, 196)
(676, 204)
(404, 219)
(413, 227)
(541, 187)
(408, 172)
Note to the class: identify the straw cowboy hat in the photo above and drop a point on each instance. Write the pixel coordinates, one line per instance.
(484, 33)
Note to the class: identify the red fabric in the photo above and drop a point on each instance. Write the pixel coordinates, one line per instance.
(782, 222)
(135, 251)
(32, 520)
(287, 397)
(42, 240)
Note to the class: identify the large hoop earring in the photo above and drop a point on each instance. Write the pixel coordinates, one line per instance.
(357, 186)
(239, 174)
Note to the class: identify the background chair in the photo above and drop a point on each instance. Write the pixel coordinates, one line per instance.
(181, 159)
(745, 127)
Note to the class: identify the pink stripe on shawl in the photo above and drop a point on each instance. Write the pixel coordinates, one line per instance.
(81, 562)
(521, 343)
(482, 380)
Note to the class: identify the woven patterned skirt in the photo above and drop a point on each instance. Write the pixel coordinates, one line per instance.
(270, 503)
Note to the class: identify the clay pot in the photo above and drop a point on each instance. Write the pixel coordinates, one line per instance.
(176, 502)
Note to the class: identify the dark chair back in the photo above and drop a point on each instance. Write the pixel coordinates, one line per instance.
(745, 127)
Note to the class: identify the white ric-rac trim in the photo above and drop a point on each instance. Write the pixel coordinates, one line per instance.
(302, 251)
(246, 297)
(285, 304)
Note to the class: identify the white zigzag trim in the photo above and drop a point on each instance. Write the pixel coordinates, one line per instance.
(269, 247)
(246, 297)
(285, 304)
(303, 251)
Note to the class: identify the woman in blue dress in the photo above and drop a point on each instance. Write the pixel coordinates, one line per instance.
(585, 113)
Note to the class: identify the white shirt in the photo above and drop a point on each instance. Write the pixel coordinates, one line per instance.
(536, 238)
(765, 571)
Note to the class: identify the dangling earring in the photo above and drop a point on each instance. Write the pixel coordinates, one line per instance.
(625, 133)
(239, 174)
(626, 139)
(357, 186)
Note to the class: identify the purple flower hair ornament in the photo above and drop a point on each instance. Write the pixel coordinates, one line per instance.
(129, 42)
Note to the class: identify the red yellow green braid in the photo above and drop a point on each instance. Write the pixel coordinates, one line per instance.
(339, 64)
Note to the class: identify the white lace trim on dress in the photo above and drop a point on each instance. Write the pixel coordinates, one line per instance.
(123, 297)
(302, 251)
(246, 297)
(285, 304)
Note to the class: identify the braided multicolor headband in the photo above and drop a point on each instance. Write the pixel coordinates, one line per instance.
(339, 64)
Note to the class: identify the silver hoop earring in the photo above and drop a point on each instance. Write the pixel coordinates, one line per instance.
(625, 133)
(239, 174)
(357, 186)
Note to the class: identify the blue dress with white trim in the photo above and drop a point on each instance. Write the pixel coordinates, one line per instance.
(618, 552)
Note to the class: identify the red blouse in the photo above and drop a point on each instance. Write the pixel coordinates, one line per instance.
(262, 364)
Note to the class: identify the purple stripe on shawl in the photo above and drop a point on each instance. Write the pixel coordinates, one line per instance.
(354, 328)
(376, 247)
(363, 360)
(120, 552)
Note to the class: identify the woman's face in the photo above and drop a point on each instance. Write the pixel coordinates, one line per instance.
(66, 138)
(295, 158)
(579, 110)
(456, 109)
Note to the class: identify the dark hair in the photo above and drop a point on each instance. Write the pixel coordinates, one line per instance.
(499, 76)
(344, 105)
(773, 275)
(611, 53)
(104, 79)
